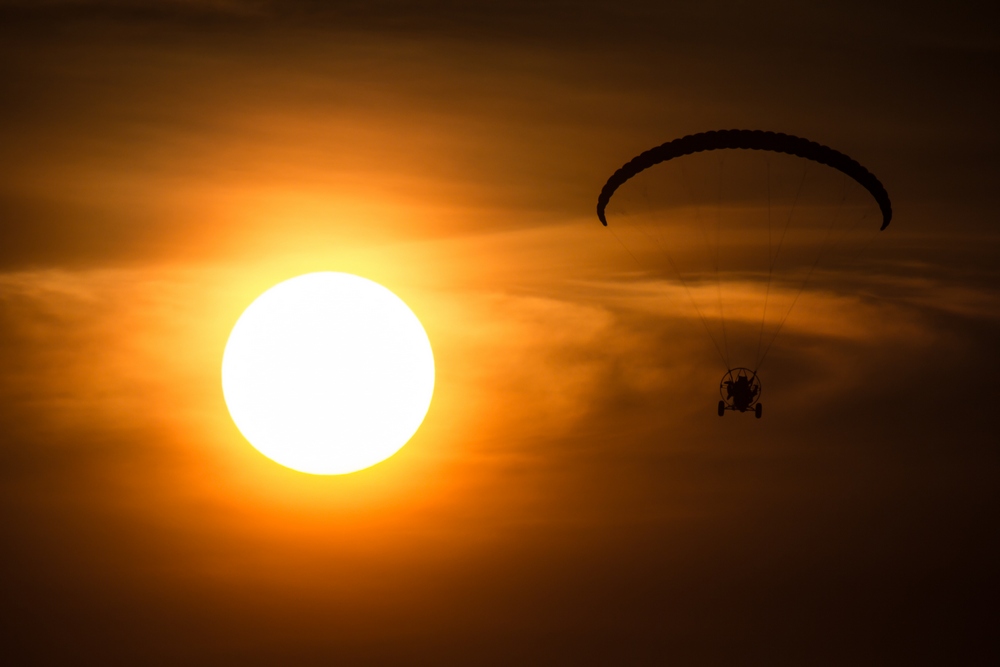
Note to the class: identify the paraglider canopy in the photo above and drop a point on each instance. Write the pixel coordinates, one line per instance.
(752, 140)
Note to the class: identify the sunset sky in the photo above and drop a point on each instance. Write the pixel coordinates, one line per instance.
(571, 497)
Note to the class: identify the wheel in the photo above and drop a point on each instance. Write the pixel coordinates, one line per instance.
(758, 411)
(722, 408)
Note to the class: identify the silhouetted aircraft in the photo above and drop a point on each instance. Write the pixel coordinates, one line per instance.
(662, 228)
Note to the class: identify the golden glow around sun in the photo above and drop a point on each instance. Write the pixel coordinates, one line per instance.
(328, 373)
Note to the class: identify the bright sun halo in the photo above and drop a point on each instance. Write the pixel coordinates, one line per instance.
(328, 373)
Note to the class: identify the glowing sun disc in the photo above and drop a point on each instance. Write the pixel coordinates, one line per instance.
(328, 373)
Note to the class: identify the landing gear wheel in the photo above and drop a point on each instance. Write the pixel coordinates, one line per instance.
(722, 408)
(758, 411)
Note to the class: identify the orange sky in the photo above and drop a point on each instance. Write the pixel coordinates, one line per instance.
(571, 497)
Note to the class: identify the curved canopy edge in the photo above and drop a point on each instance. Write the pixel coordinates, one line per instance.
(751, 140)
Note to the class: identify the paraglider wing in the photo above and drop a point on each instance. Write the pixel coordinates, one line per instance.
(752, 140)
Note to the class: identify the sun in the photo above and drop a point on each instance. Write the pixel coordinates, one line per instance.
(328, 373)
